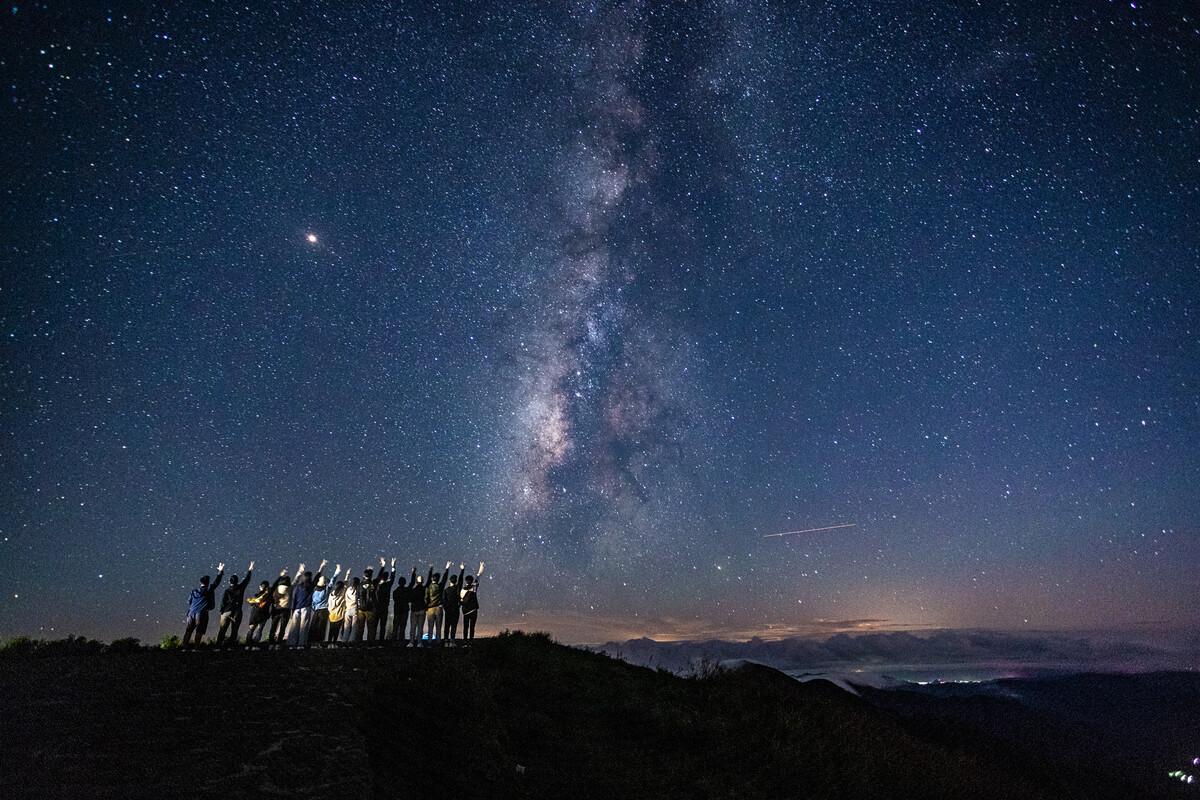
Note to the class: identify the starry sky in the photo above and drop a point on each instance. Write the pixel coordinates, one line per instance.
(602, 294)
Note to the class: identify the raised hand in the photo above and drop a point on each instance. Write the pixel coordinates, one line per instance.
(461, 566)
(448, 564)
(323, 563)
(299, 571)
(393, 563)
(337, 569)
(480, 572)
(283, 572)
(251, 567)
(221, 567)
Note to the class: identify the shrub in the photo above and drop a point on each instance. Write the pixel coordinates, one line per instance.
(169, 642)
(126, 645)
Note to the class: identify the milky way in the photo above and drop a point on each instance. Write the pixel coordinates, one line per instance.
(603, 294)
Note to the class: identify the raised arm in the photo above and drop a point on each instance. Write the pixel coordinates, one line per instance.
(412, 580)
(220, 574)
(446, 573)
(479, 574)
(249, 573)
(462, 569)
(429, 576)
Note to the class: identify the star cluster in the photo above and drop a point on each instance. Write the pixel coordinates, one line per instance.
(604, 293)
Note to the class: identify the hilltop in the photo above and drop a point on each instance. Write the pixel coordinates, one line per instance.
(515, 716)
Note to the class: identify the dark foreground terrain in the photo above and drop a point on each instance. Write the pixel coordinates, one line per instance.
(517, 716)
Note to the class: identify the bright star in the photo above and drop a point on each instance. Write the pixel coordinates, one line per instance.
(311, 238)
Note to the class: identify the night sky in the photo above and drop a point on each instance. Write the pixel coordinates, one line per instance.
(601, 294)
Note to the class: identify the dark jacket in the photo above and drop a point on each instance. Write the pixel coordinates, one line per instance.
(416, 594)
(470, 601)
(302, 594)
(450, 596)
(400, 600)
(435, 589)
(203, 598)
(383, 593)
(231, 600)
(260, 606)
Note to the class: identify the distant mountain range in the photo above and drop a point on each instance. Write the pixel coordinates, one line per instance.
(944, 654)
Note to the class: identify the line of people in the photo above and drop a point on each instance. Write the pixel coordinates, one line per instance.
(328, 610)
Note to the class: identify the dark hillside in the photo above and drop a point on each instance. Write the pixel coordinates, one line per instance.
(517, 716)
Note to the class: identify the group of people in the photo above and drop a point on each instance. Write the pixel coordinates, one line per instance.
(328, 610)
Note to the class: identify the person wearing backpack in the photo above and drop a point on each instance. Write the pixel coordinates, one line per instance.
(451, 602)
(231, 606)
(363, 623)
(200, 602)
(337, 612)
(470, 604)
(433, 602)
(281, 605)
(400, 611)
(350, 621)
(416, 606)
(260, 612)
(320, 605)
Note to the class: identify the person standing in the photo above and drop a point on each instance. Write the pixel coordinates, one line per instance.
(433, 602)
(416, 607)
(231, 606)
(281, 606)
(200, 602)
(350, 621)
(451, 602)
(400, 611)
(383, 601)
(470, 604)
(260, 612)
(320, 604)
(337, 612)
(364, 626)
(301, 617)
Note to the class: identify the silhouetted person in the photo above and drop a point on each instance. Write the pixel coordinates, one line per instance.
(451, 602)
(416, 606)
(400, 610)
(231, 606)
(383, 601)
(470, 604)
(260, 612)
(364, 623)
(200, 602)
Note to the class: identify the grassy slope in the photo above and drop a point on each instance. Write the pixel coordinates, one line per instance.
(388, 723)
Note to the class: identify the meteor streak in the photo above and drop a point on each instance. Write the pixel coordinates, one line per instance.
(811, 530)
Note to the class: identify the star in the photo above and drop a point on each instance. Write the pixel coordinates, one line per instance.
(311, 238)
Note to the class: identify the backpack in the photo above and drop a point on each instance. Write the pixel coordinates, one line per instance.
(469, 601)
(433, 595)
(366, 596)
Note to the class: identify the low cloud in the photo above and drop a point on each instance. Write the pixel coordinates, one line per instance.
(876, 651)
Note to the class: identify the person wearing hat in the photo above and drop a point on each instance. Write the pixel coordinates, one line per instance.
(200, 602)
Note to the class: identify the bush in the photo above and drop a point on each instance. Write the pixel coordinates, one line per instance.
(126, 645)
(19, 645)
(169, 642)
